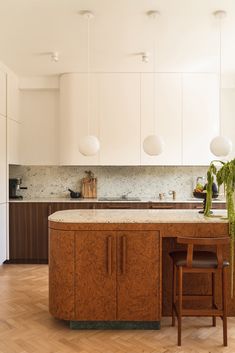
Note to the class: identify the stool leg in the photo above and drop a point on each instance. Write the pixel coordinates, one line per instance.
(180, 295)
(224, 287)
(213, 298)
(173, 293)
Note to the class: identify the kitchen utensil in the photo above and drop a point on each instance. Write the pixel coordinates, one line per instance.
(74, 194)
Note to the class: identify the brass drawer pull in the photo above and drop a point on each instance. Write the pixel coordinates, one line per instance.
(162, 207)
(109, 255)
(119, 207)
(123, 255)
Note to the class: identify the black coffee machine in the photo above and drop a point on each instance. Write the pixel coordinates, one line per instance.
(14, 187)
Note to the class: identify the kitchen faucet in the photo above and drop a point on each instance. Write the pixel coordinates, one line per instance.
(124, 196)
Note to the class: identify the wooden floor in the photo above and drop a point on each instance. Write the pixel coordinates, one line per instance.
(27, 327)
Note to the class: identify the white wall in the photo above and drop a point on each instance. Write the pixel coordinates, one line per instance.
(39, 112)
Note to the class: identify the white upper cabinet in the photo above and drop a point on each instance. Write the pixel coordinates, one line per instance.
(39, 114)
(3, 160)
(13, 141)
(167, 103)
(114, 104)
(200, 117)
(12, 97)
(119, 119)
(74, 118)
(3, 93)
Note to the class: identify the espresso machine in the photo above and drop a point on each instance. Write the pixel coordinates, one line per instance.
(14, 187)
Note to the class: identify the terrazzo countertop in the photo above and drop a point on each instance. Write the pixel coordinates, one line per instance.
(80, 200)
(136, 216)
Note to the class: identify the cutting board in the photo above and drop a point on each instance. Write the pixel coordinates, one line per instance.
(89, 187)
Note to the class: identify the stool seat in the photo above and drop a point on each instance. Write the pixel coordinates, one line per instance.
(201, 259)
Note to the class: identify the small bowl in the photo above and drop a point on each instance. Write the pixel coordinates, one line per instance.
(202, 195)
(75, 195)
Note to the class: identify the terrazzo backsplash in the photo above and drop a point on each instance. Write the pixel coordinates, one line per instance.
(142, 182)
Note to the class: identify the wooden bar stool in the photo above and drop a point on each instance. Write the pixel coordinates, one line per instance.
(190, 261)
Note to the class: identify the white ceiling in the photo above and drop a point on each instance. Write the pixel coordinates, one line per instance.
(186, 32)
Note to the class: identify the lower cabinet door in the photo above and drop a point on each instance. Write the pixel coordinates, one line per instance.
(28, 232)
(95, 276)
(138, 278)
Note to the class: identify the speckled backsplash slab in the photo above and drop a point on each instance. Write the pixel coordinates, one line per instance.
(53, 181)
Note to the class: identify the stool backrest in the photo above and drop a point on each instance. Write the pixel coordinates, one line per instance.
(190, 242)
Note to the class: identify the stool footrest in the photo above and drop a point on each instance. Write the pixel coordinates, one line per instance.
(203, 312)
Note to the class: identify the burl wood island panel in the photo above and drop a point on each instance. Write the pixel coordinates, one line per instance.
(102, 271)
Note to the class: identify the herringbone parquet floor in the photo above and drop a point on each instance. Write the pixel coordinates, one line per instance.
(27, 327)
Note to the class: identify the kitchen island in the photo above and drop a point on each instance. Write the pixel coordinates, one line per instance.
(110, 268)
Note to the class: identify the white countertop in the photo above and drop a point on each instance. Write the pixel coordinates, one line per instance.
(81, 200)
(136, 216)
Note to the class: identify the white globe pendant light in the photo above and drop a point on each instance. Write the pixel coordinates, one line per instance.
(220, 145)
(153, 144)
(88, 145)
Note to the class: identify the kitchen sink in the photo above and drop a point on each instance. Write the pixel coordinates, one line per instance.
(121, 198)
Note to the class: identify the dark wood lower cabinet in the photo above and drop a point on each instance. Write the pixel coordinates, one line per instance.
(28, 229)
(28, 232)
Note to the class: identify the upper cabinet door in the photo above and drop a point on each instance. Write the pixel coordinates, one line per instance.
(12, 97)
(13, 141)
(119, 119)
(3, 152)
(166, 121)
(74, 117)
(3, 93)
(200, 117)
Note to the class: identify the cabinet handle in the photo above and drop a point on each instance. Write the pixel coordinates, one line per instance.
(109, 256)
(118, 207)
(49, 210)
(162, 207)
(123, 255)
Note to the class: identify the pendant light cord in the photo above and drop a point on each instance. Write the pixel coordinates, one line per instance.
(220, 74)
(154, 80)
(88, 75)
(154, 86)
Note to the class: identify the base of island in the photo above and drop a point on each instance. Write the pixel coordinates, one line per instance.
(115, 325)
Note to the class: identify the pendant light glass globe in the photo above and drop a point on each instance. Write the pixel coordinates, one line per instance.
(89, 145)
(153, 145)
(221, 146)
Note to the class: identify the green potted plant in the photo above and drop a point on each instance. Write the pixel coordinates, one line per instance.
(224, 174)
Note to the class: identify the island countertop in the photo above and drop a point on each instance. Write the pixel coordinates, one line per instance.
(136, 216)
